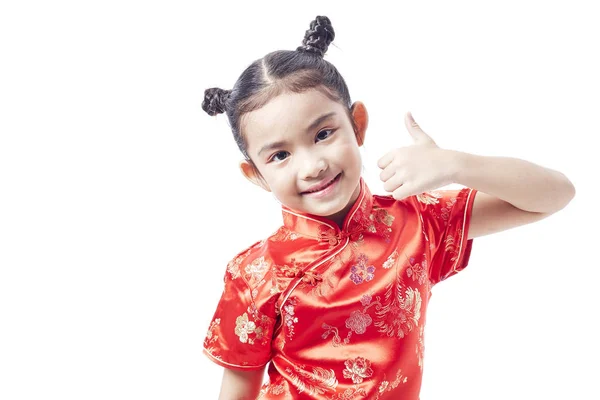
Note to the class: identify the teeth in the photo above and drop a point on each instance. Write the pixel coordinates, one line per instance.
(318, 190)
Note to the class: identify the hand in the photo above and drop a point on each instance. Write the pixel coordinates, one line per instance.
(417, 168)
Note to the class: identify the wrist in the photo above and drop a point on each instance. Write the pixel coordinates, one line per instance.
(458, 162)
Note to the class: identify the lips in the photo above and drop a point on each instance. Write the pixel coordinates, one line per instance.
(322, 185)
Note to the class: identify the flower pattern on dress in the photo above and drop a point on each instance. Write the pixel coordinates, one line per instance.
(255, 271)
(289, 317)
(391, 260)
(401, 313)
(417, 271)
(431, 197)
(322, 319)
(271, 388)
(365, 300)
(381, 222)
(284, 234)
(358, 369)
(387, 386)
(361, 272)
(243, 327)
(253, 326)
(210, 336)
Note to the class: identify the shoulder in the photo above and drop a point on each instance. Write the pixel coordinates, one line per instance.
(255, 262)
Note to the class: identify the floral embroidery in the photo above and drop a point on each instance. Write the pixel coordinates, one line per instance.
(210, 336)
(365, 299)
(358, 369)
(317, 382)
(389, 263)
(233, 267)
(417, 271)
(381, 222)
(284, 234)
(362, 272)
(401, 313)
(386, 386)
(271, 388)
(289, 318)
(429, 197)
(260, 327)
(256, 270)
(432, 198)
(243, 327)
(358, 321)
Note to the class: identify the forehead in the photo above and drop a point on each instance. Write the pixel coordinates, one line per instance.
(286, 116)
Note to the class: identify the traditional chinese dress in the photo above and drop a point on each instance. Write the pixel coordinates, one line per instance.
(340, 313)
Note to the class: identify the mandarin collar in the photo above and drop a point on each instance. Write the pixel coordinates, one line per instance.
(324, 229)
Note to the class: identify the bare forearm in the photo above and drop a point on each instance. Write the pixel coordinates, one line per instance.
(525, 185)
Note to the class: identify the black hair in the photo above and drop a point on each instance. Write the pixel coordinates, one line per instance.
(280, 71)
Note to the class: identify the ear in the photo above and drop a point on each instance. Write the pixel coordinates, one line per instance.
(361, 120)
(251, 173)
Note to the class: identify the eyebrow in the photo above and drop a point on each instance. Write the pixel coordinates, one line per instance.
(311, 127)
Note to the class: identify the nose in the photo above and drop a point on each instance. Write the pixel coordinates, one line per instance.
(312, 166)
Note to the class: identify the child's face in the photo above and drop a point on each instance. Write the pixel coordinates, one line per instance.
(293, 156)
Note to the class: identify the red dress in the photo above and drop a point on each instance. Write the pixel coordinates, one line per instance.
(339, 314)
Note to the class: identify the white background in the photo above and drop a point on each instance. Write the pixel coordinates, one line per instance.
(122, 202)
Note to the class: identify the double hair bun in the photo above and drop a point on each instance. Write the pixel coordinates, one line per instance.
(316, 41)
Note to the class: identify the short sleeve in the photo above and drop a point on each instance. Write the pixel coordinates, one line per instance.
(445, 216)
(240, 332)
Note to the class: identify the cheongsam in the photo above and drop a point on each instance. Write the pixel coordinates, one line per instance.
(340, 313)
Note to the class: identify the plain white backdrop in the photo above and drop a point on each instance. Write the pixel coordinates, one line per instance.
(122, 202)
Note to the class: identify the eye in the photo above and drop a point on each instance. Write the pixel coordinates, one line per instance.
(275, 158)
(323, 137)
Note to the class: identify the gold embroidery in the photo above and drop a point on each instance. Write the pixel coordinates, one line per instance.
(358, 369)
(386, 386)
(401, 313)
(260, 327)
(284, 234)
(255, 271)
(243, 327)
(417, 271)
(389, 263)
(429, 197)
(317, 382)
(210, 336)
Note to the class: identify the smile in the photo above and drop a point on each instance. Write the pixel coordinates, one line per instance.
(325, 190)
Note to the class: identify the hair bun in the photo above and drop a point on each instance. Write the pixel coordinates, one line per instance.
(318, 37)
(215, 101)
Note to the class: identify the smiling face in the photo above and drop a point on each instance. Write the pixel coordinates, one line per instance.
(302, 142)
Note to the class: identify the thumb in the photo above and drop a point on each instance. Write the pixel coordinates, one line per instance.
(414, 129)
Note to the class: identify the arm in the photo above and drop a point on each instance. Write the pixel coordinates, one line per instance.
(241, 385)
(511, 192)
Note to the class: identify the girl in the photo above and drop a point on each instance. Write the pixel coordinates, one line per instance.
(335, 300)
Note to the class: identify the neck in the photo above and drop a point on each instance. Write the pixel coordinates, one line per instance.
(340, 216)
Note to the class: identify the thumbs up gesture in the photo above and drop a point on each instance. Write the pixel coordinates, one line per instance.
(417, 168)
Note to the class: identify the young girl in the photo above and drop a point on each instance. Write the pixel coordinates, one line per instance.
(335, 300)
